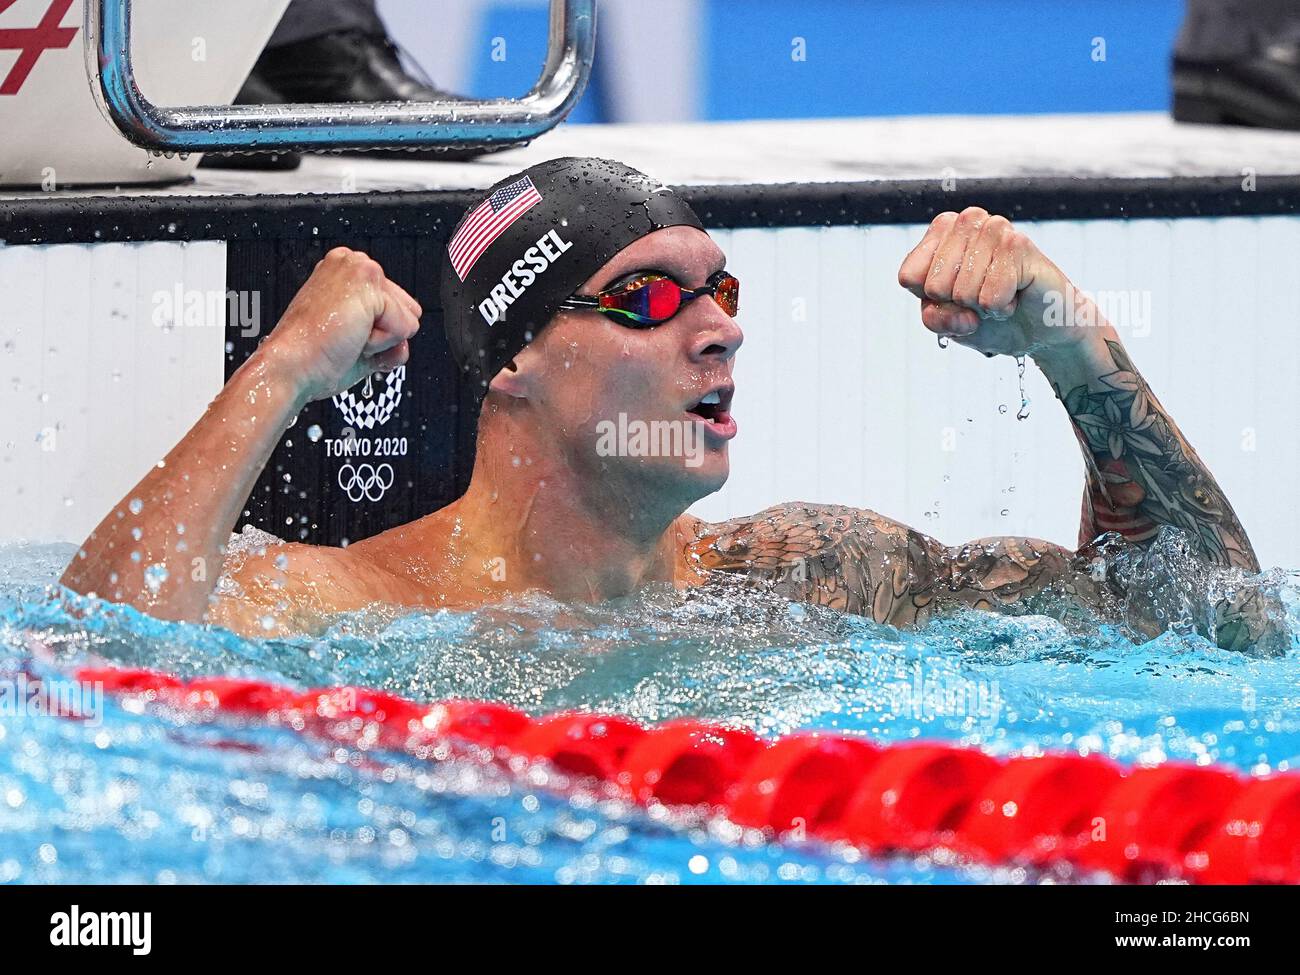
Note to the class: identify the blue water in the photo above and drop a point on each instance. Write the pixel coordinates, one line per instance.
(156, 797)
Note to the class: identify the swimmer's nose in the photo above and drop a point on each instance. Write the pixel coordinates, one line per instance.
(717, 335)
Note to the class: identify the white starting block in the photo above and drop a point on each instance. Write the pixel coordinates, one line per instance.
(186, 53)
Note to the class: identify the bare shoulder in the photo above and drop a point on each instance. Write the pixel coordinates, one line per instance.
(290, 587)
(847, 558)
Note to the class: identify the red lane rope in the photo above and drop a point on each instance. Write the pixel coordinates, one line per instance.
(1205, 825)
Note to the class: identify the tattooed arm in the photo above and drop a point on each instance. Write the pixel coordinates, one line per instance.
(986, 286)
(1142, 475)
(860, 562)
(1141, 472)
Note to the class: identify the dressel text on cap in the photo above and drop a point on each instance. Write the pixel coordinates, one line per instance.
(522, 274)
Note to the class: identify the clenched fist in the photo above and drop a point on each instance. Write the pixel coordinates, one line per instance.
(986, 285)
(347, 321)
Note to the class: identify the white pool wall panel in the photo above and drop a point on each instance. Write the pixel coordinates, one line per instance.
(93, 391)
(843, 396)
(857, 404)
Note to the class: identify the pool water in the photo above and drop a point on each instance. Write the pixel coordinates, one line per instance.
(142, 796)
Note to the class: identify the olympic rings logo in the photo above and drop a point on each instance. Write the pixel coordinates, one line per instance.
(366, 481)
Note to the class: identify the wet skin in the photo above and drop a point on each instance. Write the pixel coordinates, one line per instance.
(546, 510)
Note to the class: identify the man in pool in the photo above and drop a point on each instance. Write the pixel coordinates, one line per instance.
(579, 291)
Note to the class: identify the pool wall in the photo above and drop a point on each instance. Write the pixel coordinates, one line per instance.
(843, 396)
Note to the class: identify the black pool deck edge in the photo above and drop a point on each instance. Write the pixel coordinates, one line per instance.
(103, 219)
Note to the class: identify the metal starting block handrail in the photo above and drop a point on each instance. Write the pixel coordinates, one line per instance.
(345, 125)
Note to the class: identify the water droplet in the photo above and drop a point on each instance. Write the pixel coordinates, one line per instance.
(136, 506)
(155, 575)
(1023, 412)
(313, 433)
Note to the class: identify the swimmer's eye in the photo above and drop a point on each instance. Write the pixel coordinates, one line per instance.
(650, 298)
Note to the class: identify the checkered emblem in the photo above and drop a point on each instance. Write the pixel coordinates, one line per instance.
(375, 403)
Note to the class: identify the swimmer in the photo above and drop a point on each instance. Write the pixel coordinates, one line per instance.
(602, 300)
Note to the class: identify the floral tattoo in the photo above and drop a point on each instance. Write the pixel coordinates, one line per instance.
(1142, 474)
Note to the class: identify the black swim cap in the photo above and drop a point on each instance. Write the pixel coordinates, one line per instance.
(532, 242)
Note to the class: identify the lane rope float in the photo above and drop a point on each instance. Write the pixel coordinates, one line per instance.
(1196, 823)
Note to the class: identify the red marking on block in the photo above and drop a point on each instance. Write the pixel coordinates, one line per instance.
(31, 42)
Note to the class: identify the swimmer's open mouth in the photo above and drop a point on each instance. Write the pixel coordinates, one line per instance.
(715, 406)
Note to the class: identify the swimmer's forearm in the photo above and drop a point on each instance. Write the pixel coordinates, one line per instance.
(181, 514)
(1141, 472)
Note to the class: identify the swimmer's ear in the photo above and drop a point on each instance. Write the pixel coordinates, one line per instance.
(516, 377)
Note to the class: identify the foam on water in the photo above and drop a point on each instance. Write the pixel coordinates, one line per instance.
(149, 797)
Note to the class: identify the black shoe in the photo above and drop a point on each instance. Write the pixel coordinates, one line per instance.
(354, 66)
(1262, 89)
(254, 92)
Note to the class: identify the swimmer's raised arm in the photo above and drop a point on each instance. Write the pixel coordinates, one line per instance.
(162, 546)
(987, 286)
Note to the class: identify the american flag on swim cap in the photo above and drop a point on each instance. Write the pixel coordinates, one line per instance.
(488, 221)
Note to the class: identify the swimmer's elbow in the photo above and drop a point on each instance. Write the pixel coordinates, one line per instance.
(152, 589)
(287, 591)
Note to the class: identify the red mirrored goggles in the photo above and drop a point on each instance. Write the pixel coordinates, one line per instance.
(652, 299)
